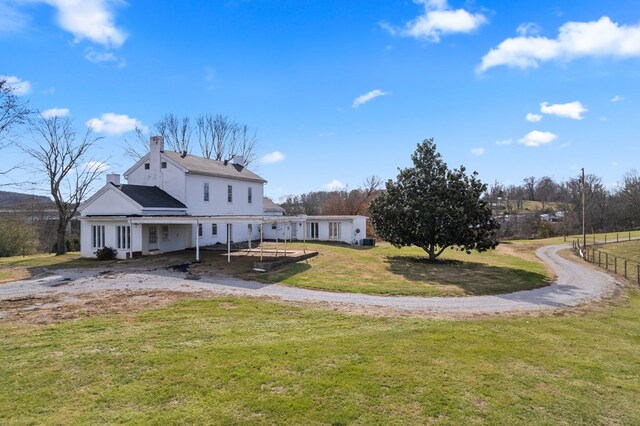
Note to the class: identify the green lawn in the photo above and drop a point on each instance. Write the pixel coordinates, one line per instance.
(244, 361)
(20, 267)
(391, 271)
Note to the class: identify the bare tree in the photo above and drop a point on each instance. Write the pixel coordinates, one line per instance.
(220, 138)
(530, 187)
(175, 131)
(64, 162)
(245, 143)
(13, 113)
(139, 147)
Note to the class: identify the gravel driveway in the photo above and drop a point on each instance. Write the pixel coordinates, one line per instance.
(576, 284)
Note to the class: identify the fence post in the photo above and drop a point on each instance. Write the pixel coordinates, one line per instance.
(606, 259)
(600, 259)
(629, 236)
(638, 273)
(625, 268)
(605, 238)
(617, 238)
(615, 264)
(594, 239)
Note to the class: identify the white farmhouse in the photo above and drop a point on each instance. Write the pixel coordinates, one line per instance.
(173, 201)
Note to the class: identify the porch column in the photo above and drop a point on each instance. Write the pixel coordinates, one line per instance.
(197, 241)
(229, 242)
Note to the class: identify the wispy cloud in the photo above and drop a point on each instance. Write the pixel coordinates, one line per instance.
(274, 157)
(477, 151)
(363, 99)
(528, 29)
(617, 98)
(335, 185)
(437, 19)
(537, 138)
(504, 142)
(97, 166)
(601, 38)
(97, 57)
(573, 110)
(114, 124)
(534, 118)
(55, 112)
(18, 86)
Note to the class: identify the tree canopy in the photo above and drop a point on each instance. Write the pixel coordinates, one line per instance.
(433, 207)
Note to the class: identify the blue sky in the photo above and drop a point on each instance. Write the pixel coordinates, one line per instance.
(341, 90)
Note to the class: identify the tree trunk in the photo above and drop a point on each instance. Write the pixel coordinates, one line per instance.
(60, 239)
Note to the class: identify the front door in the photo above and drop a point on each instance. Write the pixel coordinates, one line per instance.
(153, 238)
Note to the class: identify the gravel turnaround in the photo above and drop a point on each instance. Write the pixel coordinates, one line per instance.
(576, 284)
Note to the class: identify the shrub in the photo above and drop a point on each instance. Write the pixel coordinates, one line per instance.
(106, 253)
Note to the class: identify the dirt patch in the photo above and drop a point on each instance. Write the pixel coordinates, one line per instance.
(51, 309)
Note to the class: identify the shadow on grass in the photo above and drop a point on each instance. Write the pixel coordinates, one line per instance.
(473, 279)
(282, 273)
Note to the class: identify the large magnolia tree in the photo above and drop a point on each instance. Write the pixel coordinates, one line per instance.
(433, 207)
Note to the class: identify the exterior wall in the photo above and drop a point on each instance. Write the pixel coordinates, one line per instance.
(172, 179)
(293, 231)
(110, 203)
(110, 237)
(239, 233)
(217, 204)
(176, 240)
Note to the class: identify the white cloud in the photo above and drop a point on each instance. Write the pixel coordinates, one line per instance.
(534, 118)
(96, 57)
(438, 19)
(96, 166)
(55, 112)
(536, 138)
(11, 19)
(599, 38)
(114, 124)
(19, 87)
(528, 29)
(572, 110)
(274, 157)
(504, 142)
(363, 99)
(335, 185)
(92, 20)
(617, 98)
(477, 151)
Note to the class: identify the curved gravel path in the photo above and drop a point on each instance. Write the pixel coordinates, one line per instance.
(576, 284)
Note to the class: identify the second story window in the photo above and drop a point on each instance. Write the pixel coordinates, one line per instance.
(147, 166)
(206, 191)
(229, 194)
(163, 165)
(249, 196)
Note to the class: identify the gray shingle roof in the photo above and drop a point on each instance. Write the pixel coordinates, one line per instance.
(269, 206)
(204, 166)
(151, 196)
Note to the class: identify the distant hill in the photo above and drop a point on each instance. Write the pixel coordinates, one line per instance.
(13, 200)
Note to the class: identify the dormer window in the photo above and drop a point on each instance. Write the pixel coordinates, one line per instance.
(147, 166)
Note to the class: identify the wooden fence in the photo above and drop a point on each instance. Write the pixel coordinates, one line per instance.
(627, 268)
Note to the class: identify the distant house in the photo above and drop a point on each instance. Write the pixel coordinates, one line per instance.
(173, 201)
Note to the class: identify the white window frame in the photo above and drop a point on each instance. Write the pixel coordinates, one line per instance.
(164, 232)
(205, 191)
(123, 237)
(229, 194)
(312, 230)
(97, 236)
(214, 229)
(335, 229)
(249, 195)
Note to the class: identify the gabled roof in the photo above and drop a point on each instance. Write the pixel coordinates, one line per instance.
(269, 206)
(205, 166)
(151, 197)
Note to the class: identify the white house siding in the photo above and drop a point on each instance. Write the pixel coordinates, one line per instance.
(171, 180)
(177, 238)
(239, 232)
(218, 204)
(110, 236)
(110, 203)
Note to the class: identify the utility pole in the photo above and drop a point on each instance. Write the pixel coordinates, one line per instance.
(584, 233)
